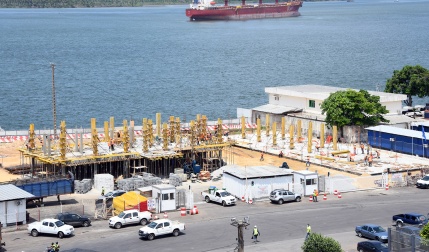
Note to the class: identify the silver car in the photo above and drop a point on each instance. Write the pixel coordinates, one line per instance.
(280, 196)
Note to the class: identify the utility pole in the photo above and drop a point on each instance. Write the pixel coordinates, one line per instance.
(240, 225)
(54, 106)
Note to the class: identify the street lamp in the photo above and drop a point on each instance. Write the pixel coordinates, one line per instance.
(240, 224)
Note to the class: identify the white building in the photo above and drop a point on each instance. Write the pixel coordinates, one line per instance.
(164, 196)
(255, 182)
(13, 207)
(307, 179)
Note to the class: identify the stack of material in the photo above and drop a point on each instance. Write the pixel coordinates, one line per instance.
(204, 175)
(179, 170)
(150, 181)
(126, 184)
(175, 179)
(82, 186)
(138, 183)
(104, 180)
(181, 173)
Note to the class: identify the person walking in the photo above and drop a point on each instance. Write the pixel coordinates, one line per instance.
(102, 191)
(365, 160)
(362, 147)
(262, 157)
(315, 194)
(255, 234)
(308, 231)
(56, 247)
(370, 160)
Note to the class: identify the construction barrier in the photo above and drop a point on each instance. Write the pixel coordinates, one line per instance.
(242, 199)
(182, 211)
(335, 192)
(195, 210)
(324, 197)
(387, 187)
(250, 201)
(311, 198)
(339, 195)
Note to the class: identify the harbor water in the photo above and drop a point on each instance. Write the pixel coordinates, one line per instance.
(131, 63)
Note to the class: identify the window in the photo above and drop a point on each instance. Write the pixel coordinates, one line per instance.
(311, 103)
(310, 182)
(172, 196)
(159, 225)
(127, 216)
(165, 196)
(135, 214)
(45, 223)
(51, 224)
(166, 224)
(276, 97)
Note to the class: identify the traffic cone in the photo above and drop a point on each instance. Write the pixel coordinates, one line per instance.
(195, 210)
(324, 197)
(387, 187)
(250, 201)
(182, 211)
(311, 198)
(165, 215)
(335, 192)
(156, 217)
(339, 195)
(242, 199)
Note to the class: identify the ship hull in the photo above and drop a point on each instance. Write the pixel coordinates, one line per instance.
(244, 12)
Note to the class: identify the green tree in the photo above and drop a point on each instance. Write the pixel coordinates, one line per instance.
(424, 233)
(411, 81)
(319, 243)
(352, 107)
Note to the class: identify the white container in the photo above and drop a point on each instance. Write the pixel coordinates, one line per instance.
(104, 180)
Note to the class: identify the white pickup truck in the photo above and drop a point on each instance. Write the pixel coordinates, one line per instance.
(130, 217)
(219, 196)
(161, 227)
(50, 226)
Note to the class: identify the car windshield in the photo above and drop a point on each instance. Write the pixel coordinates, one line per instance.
(224, 194)
(121, 215)
(108, 194)
(425, 178)
(59, 223)
(379, 229)
(152, 225)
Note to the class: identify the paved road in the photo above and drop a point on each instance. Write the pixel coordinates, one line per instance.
(282, 227)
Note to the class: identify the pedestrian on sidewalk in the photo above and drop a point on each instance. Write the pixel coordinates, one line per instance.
(308, 231)
(370, 160)
(262, 157)
(378, 153)
(255, 234)
(362, 147)
(365, 160)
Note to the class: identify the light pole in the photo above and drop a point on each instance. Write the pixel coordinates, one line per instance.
(240, 224)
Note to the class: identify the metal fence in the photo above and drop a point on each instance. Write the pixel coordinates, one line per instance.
(403, 242)
(416, 147)
(51, 209)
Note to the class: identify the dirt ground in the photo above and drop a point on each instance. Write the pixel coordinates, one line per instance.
(10, 156)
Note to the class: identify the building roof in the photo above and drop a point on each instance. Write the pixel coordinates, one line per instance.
(277, 109)
(250, 172)
(163, 186)
(12, 192)
(305, 172)
(397, 119)
(398, 131)
(321, 92)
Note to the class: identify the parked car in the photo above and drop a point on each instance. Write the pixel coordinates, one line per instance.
(423, 182)
(113, 194)
(74, 219)
(50, 226)
(372, 246)
(280, 196)
(415, 219)
(219, 196)
(161, 227)
(129, 217)
(372, 231)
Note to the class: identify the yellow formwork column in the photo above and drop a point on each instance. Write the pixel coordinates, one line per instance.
(291, 132)
(145, 136)
(322, 135)
(334, 138)
(112, 127)
(204, 125)
(158, 124)
(267, 124)
(165, 136)
(150, 131)
(63, 141)
(172, 129)
(178, 131)
(198, 124)
(31, 137)
(283, 128)
(219, 131)
(193, 133)
(274, 134)
(126, 137)
(258, 130)
(310, 137)
(106, 132)
(243, 127)
(299, 129)
(94, 136)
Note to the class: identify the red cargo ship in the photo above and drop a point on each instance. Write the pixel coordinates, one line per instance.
(208, 10)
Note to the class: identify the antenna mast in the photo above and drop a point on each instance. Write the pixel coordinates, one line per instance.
(54, 106)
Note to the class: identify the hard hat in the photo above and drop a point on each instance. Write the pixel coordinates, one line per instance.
(255, 225)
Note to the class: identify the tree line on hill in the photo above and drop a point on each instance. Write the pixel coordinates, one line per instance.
(97, 3)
